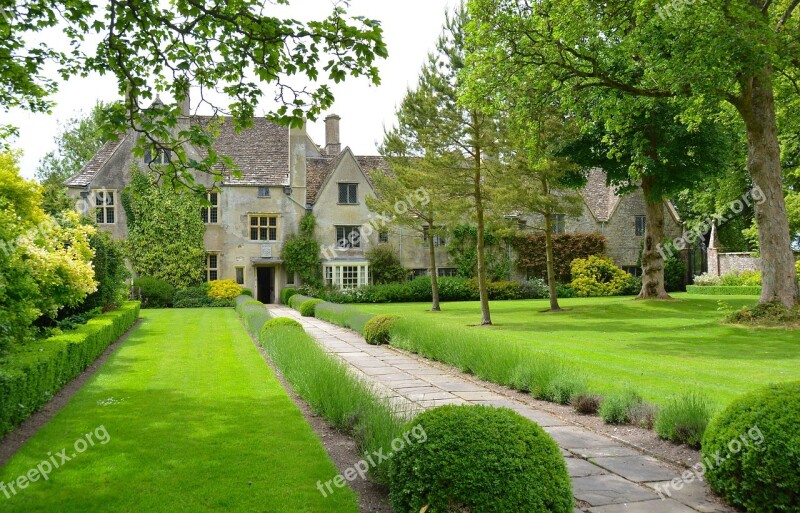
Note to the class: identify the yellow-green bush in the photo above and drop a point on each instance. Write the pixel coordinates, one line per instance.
(377, 330)
(598, 276)
(224, 289)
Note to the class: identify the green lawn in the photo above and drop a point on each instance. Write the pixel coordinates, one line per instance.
(195, 421)
(659, 348)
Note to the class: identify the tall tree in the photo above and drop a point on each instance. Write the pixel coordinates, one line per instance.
(641, 142)
(453, 140)
(538, 179)
(240, 48)
(80, 138)
(737, 52)
(406, 197)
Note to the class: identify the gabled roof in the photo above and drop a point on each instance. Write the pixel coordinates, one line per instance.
(601, 198)
(85, 176)
(319, 169)
(261, 152)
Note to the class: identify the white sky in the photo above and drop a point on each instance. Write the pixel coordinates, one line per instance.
(410, 28)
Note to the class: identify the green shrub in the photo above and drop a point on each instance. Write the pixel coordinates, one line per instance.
(718, 290)
(684, 419)
(253, 313)
(547, 378)
(772, 313)
(674, 274)
(385, 265)
(286, 294)
(334, 393)
(616, 408)
(298, 299)
(278, 322)
(197, 297)
(758, 437)
(478, 458)
(32, 374)
(155, 293)
(377, 330)
(598, 276)
(109, 272)
(535, 288)
(308, 307)
(247, 292)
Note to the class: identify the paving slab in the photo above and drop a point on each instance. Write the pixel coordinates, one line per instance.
(693, 494)
(606, 489)
(636, 468)
(656, 506)
(578, 467)
(609, 476)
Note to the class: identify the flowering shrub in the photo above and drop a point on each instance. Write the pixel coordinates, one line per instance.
(707, 280)
(733, 279)
(224, 289)
(598, 276)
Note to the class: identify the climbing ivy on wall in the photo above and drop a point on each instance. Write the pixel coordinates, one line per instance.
(301, 252)
(165, 232)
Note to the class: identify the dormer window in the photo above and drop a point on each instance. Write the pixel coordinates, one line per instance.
(157, 156)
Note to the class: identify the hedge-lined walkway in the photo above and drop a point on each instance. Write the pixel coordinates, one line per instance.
(185, 417)
(607, 476)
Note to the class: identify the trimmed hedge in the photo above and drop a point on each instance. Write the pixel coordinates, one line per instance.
(308, 307)
(757, 438)
(341, 315)
(253, 313)
(31, 375)
(377, 330)
(286, 294)
(297, 300)
(478, 458)
(278, 322)
(719, 290)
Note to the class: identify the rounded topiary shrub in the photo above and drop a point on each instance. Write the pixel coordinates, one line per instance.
(279, 322)
(479, 459)
(752, 450)
(376, 330)
(286, 294)
(307, 308)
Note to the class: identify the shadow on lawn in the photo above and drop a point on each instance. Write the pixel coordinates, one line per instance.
(170, 451)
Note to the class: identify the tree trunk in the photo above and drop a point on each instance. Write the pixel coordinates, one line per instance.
(486, 318)
(652, 259)
(434, 277)
(756, 104)
(551, 271)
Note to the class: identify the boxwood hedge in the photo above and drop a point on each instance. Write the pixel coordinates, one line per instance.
(31, 375)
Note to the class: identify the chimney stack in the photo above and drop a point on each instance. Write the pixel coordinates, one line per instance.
(333, 145)
(186, 103)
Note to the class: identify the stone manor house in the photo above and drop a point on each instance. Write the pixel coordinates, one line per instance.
(285, 174)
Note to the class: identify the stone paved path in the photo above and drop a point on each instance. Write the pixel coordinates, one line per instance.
(607, 476)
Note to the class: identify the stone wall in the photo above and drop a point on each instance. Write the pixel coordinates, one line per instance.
(726, 263)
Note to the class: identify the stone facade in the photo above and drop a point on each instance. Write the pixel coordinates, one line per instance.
(284, 175)
(614, 216)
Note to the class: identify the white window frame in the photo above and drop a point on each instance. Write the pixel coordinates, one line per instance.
(346, 275)
(348, 241)
(102, 208)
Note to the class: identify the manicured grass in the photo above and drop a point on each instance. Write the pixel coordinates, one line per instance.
(196, 421)
(660, 349)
